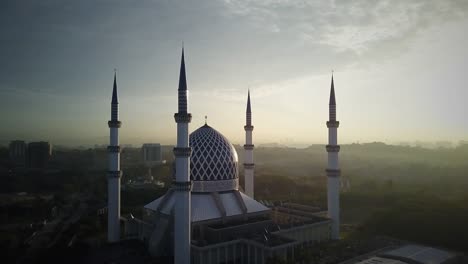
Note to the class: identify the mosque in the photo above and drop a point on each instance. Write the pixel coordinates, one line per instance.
(206, 217)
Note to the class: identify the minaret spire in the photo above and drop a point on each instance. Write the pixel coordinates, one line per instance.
(248, 149)
(114, 173)
(249, 110)
(182, 184)
(115, 100)
(183, 97)
(332, 103)
(332, 92)
(333, 170)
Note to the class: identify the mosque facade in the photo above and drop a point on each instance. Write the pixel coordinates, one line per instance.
(206, 217)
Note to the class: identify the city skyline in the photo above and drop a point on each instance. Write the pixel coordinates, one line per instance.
(399, 69)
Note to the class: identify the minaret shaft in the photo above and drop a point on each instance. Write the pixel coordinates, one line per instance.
(333, 169)
(113, 186)
(182, 135)
(249, 165)
(182, 184)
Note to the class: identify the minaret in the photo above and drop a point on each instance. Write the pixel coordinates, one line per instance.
(248, 149)
(114, 173)
(182, 184)
(333, 171)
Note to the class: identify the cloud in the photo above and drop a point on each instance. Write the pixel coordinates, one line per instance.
(263, 90)
(26, 92)
(354, 26)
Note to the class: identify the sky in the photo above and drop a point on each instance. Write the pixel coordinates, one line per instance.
(400, 69)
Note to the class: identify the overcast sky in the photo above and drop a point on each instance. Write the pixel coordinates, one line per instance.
(401, 68)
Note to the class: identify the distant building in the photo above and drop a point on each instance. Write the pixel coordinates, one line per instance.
(18, 152)
(152, 156)
(151, 152)
(411, 254)
(39, 154)
(345, 185)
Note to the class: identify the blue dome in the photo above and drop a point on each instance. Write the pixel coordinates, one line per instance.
(213, 163)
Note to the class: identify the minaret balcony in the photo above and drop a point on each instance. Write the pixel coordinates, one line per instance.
(114, 174)
(333, 172)
(183, 117)
(333, 123)
(249, 165)
(182, 186)
(332, 148)
(113, 149)
(249, 146)
(182, 152)
(114, 123)
(248, 128)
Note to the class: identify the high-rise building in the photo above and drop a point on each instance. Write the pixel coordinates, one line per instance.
(151, 153)
(18, 152)
(39, 154)
(152, 156)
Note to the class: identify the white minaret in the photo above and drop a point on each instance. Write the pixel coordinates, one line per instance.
(333, 171)
(182, 184)
(248, 149)
(114, 173)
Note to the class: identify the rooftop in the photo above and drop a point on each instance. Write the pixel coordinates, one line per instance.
(419, 254)
(207, 206)
(411, 254)
(378, 260)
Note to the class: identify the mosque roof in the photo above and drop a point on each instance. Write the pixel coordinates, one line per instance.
(211, 206)
(213, 163)
(215, 180)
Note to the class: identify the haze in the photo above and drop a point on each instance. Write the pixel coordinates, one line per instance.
(400, 69)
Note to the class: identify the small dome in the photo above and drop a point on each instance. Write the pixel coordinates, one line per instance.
(213, 163)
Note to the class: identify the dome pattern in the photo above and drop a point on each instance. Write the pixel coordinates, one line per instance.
(213, 163)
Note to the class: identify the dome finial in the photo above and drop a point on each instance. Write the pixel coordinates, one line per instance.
(206, 122)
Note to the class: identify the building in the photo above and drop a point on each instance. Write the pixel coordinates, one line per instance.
(151, 153)
(39, 154)
(410, 254)
(205, 218)
(152, 156)
(18, 151)
(227, 225)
